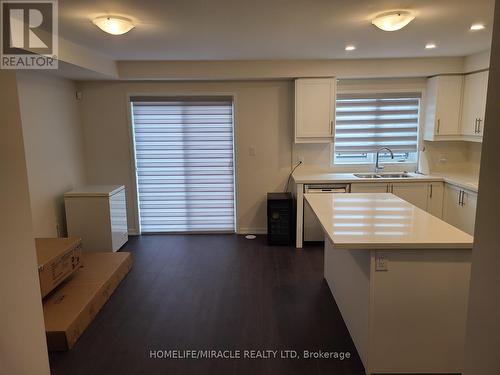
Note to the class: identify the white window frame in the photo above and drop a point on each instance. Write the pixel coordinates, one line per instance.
(390, 89)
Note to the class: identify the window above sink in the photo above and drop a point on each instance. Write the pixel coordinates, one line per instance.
(369, 158)
(366, 122)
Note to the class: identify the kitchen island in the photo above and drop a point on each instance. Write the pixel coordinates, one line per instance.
(400, 277)
(441, 195)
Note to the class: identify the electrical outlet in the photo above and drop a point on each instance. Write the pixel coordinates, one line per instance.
(300, 159)
(381, 263)
(443, 158)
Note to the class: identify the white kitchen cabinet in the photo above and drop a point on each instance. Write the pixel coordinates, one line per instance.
(98, 215)
(436, 196)
(315, 110)
(425, 195)
(444, 102)
(412, 192)
(459, 208)
(474, 104)
(370, 188)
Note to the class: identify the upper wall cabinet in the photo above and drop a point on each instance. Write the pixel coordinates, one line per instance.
(444, 101)
(474, 104)
(315, 110)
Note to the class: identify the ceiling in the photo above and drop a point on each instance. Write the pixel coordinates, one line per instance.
(276, 29)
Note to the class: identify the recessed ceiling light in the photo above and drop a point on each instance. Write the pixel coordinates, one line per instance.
(392, 21)
(114, 25)
(477, 26)
(430, 45)
(350, 48)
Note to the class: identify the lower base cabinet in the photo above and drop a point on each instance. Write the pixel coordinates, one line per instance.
(459, 208)
(412, 192)
(435, 202)
(370, 188)
(427, 196)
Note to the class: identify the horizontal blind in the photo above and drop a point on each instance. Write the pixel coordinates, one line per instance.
(367, 122)
(184, 161)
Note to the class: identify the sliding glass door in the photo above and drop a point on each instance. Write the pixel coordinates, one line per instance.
(184, 163)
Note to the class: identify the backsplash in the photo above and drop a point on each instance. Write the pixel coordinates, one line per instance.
(447, 156)
(453, 157)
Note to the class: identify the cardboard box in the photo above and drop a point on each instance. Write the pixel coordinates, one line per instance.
(58, 258)
(72, 307)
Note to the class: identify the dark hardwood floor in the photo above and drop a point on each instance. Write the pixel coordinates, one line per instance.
(214, 292)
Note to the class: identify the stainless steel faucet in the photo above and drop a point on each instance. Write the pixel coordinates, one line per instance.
(378, 167)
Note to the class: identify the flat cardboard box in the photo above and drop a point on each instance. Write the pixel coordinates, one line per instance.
(72, 307)
(58, 259)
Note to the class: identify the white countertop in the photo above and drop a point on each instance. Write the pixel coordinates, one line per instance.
(382, 222)
(463, 180)
(311, 177)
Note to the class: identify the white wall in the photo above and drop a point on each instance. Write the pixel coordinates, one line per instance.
(483, 326)
(53, 143)
(477, 61)
(23, 350)
(287, 69)
(263, 119)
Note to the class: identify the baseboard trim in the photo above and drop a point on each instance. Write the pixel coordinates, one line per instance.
(135, 232)
(251, 231)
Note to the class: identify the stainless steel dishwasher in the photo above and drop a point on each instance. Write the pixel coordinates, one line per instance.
(312, 227)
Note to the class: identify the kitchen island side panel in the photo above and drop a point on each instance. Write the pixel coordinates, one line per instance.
(418, 311)
(347, 273)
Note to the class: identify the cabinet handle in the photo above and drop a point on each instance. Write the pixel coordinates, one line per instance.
(475, 127)
(439, 126)
(461, 198)
(331, 127)
(479, 125)
(430, 193)
(387, 188)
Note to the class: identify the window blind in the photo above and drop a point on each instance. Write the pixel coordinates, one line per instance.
(184, 164)
(367, 122)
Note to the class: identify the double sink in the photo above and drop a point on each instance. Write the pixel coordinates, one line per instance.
(382, 175)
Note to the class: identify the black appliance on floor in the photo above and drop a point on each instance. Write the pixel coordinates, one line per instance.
(280, 219)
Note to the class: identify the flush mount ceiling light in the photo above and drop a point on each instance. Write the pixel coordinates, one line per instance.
(350, 48)
(113, 24)
(392, 21)
(430, 45)
(477, 26)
